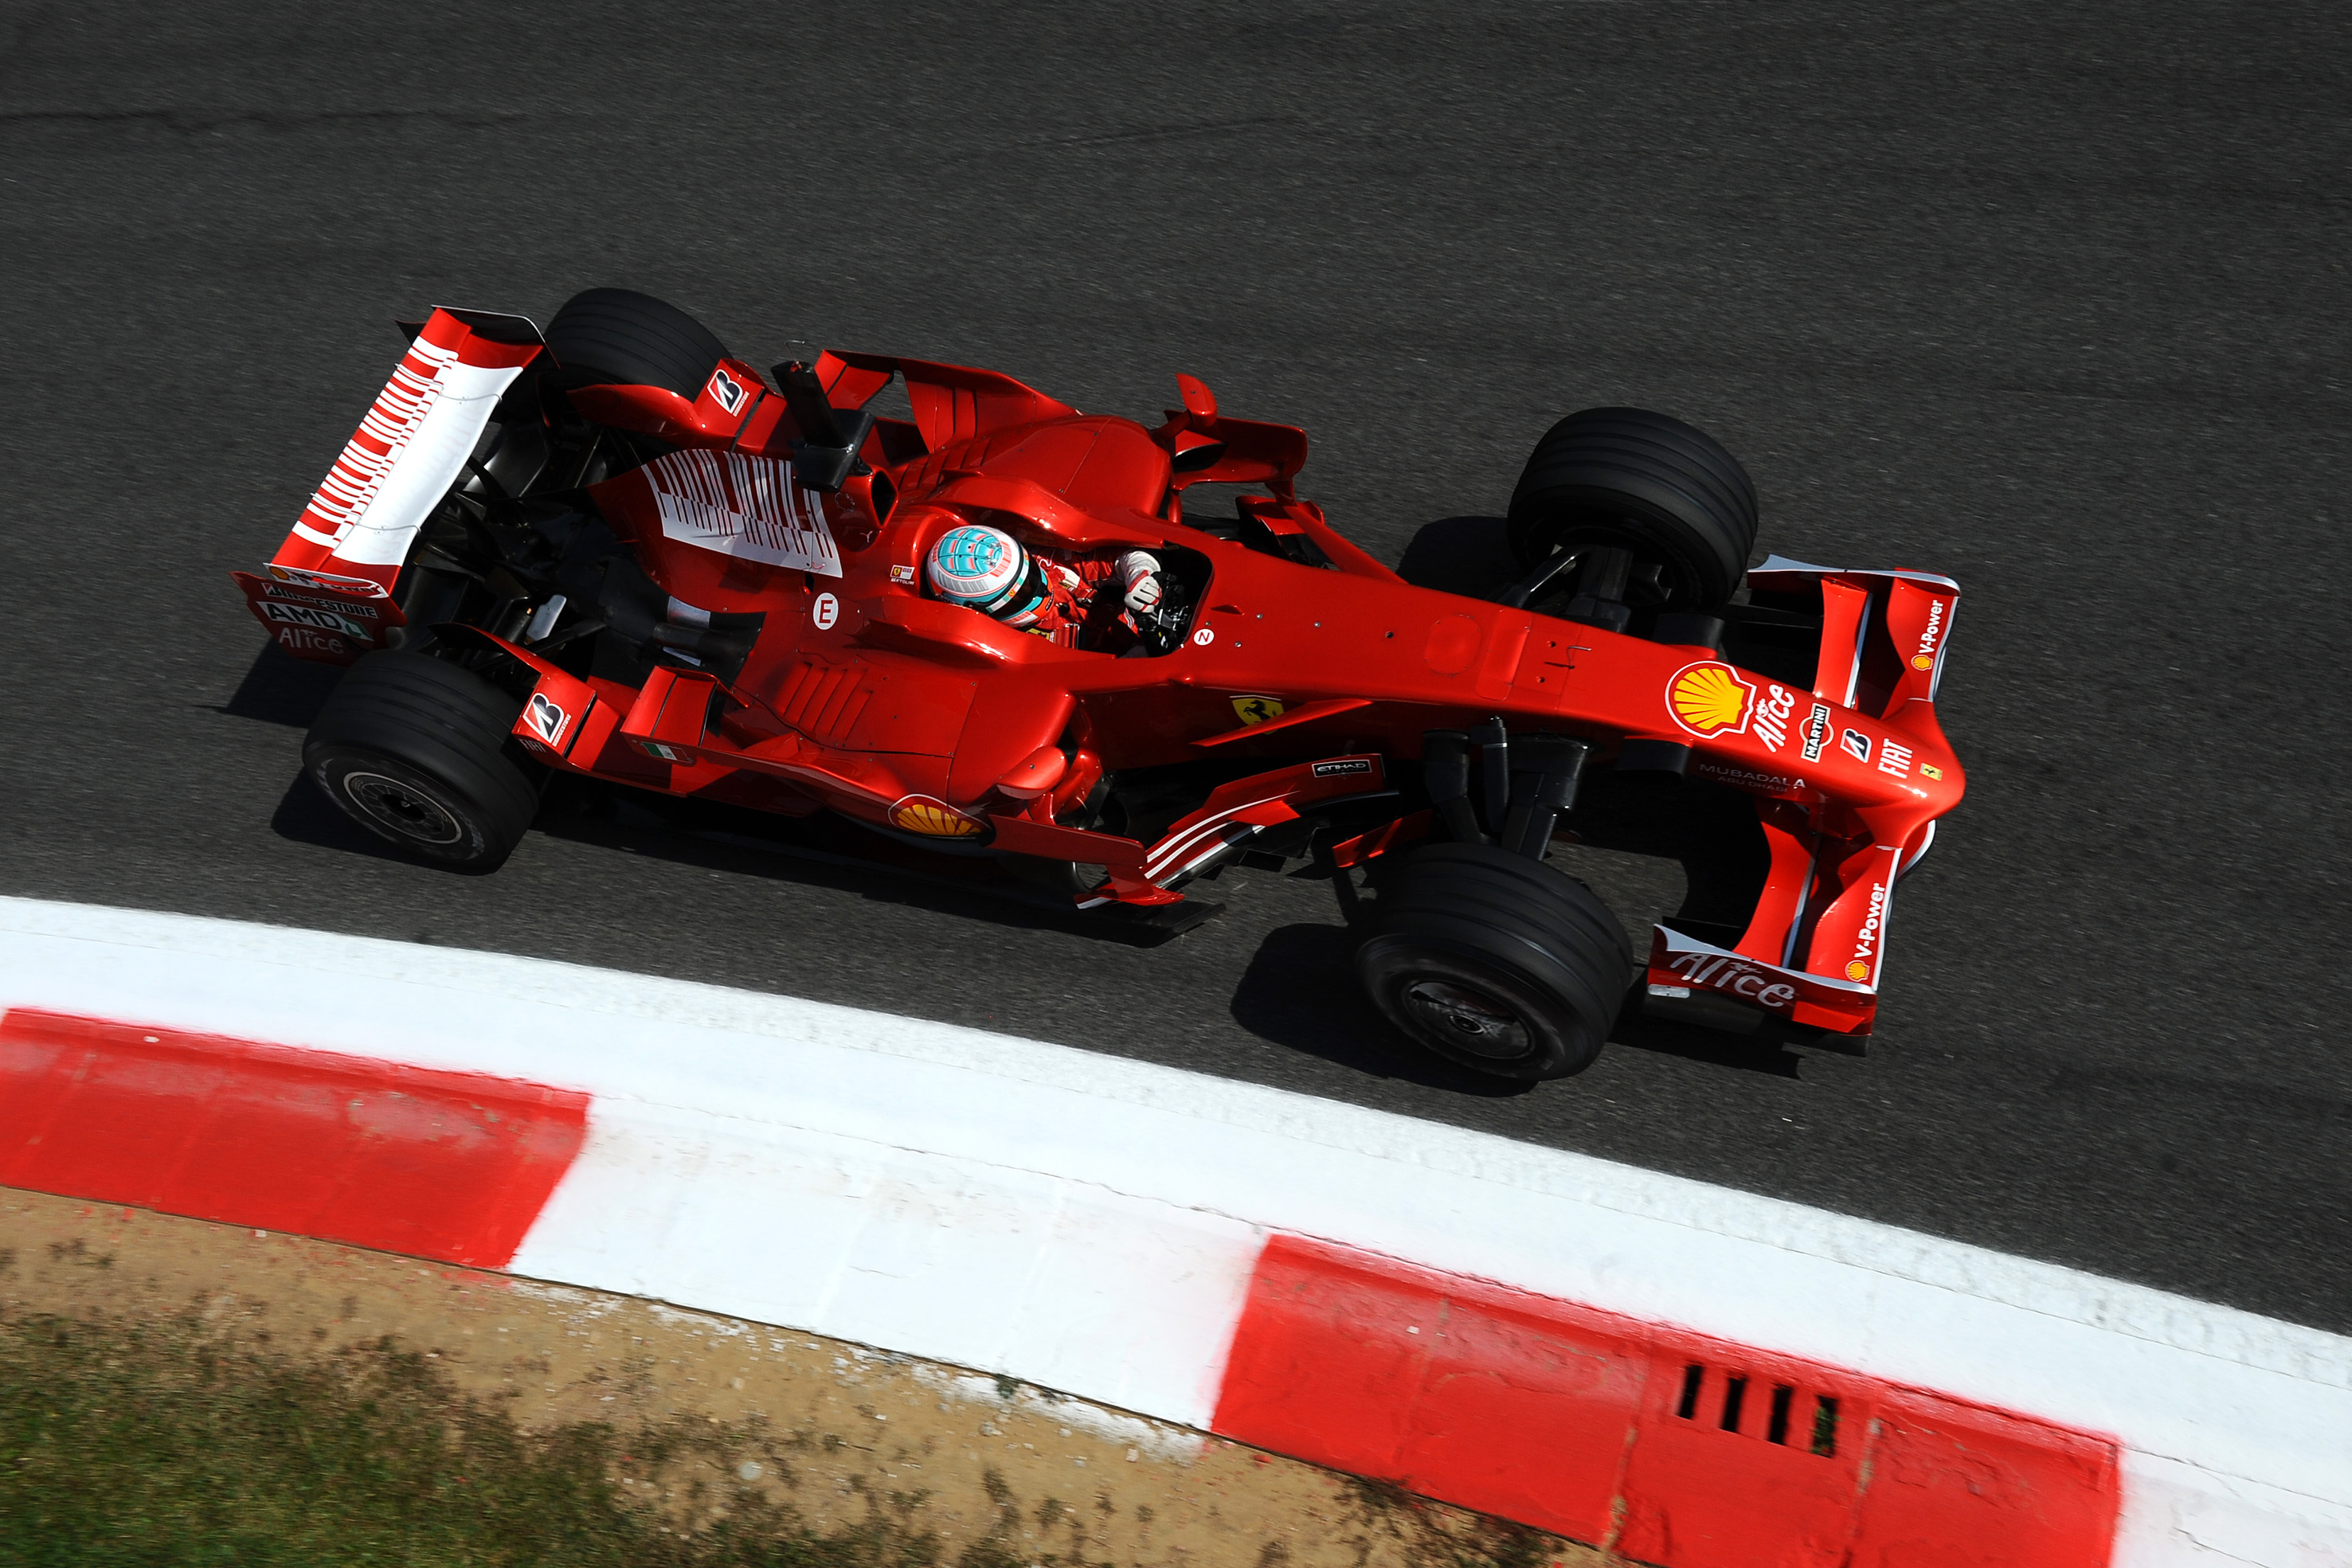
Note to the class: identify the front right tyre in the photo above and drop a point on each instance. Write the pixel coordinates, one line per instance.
(419, 752)
(1494, 962)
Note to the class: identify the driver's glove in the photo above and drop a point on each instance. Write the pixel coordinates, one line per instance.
(1140, 572)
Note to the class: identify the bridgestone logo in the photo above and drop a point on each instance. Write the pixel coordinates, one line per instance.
(1817, 732)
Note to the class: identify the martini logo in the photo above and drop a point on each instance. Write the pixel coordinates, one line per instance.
(1924, 658)
(1709, 699)
(934, 819)
(1256, 710)
(1817, 732)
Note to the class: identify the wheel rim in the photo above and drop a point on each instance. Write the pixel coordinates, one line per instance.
(403, 810)
(1468, 1020)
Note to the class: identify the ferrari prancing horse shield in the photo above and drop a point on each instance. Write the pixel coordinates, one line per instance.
(1256, 710)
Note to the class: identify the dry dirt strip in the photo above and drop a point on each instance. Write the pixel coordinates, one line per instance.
(1677, 1372)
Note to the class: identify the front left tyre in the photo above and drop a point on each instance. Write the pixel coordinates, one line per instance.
(419, 752)
(1495, 962)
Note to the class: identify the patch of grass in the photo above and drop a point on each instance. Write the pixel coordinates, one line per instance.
(167, 1446)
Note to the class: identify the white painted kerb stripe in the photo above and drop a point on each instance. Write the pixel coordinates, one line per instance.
(843, 1171)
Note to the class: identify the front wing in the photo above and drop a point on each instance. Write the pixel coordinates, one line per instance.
(1814, 949)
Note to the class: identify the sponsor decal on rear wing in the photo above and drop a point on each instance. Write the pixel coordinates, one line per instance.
(327, 619)
(407, 452)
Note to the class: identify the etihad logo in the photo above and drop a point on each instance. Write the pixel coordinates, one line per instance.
(1709, 699)
(1925, 659)
(934, 819)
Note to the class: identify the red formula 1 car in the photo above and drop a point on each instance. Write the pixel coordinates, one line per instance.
(614, 549)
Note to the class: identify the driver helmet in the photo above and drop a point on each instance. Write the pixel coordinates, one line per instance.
(986, 570)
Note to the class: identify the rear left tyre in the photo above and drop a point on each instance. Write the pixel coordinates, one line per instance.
(1494, 962)
(617, 335)
(419, 752)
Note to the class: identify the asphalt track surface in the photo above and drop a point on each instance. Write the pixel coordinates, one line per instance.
(2050, 298)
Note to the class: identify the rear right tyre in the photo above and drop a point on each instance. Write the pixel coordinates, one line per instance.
(419, 752)
(1495, 962)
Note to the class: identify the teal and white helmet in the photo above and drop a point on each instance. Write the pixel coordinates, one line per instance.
(986, 570)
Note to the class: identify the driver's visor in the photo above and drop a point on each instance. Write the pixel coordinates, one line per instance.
(1022, 597)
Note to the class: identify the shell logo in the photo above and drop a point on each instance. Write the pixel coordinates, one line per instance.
(1858, 970)
(1709, 699)
(934, 819)
(1923, 661)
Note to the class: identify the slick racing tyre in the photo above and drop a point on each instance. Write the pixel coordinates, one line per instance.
(1643, 482)
(618, 335)
(416, 751)
(1495, 962)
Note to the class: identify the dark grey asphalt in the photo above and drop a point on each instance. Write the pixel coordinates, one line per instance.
(2050, 297)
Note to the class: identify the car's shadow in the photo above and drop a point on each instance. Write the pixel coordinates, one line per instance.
(1299, 992)
(280, 688)
(1469, 556)
(828, 852)
(306, 816)
(1766, 1050)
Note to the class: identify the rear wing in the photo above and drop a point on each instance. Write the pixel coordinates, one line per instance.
(325, 595)
(1814, 950)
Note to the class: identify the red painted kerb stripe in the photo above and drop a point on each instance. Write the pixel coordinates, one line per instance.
(1665, 1446)
(448, 1165)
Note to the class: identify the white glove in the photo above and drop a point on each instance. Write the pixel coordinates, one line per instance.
(1141, 574)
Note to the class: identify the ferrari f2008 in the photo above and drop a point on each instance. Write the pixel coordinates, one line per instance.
(991, 628)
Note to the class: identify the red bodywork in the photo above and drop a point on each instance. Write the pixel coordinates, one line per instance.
(863, 697)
